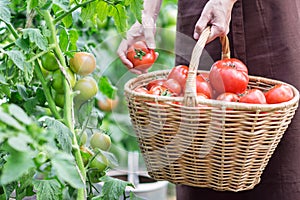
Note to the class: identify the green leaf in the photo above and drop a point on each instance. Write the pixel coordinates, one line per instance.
(63, 4)
(19, 114)
(102, 10)
(113, 188)
(65, 168)
(89, 12)
(63, 134)
(136, 7)
(47, 189)
(9, 120)
(18, 163)
(63, 39)
(73, 37)
(25, 185)
(17, 57)
(5, 14)
(36, 37)
(32, 4)
(24, 44)
(2, 80)
(9, 189)
(106, 87)
(67, 21)
(20, 142)
(118, 13)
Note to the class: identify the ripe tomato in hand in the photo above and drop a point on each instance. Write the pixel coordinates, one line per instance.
(202, 86)
(254, 96)
(179, 73)
(141, 56)
(229, 75)
(229, 97)
(279, 93)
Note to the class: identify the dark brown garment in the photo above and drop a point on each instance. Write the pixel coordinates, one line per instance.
(265, 35)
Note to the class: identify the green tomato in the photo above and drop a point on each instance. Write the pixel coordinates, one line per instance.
(58, 79)
(101, 141)
(100, 162)
(41, 158)
(94, 175)
(83, 63)
(82, 138)
(49, 62)
(87, 88)
(59, 100)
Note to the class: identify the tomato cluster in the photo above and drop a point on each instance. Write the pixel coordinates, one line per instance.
(82, 64)
(227, 80)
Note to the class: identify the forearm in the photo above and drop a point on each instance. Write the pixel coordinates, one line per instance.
(151, 8)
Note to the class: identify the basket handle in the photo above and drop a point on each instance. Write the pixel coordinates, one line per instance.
(189, 98)
(190, 95)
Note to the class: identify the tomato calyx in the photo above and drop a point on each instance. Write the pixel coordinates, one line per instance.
(139, 54)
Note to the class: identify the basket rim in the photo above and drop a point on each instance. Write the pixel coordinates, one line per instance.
(129, 91)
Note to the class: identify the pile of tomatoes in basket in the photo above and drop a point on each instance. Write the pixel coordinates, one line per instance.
(227, 80)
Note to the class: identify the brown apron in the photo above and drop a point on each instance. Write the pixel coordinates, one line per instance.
(265, 35)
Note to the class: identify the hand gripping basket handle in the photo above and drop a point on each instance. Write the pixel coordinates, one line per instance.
(190, 94)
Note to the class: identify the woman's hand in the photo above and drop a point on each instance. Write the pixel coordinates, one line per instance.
(145, 32)
(217, 14)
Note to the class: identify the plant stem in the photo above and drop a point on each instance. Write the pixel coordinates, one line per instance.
(47, 93)
(71, 10)
(40, 54)
(12, 30)
(68, 108)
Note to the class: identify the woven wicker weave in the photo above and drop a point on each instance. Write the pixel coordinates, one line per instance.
(202, 142)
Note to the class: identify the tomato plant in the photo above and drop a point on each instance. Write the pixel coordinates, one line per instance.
(279, 93)
(83, 63)
(107, 104)
(229, 75)
(254, 96)
(41, 153)
(141, 56)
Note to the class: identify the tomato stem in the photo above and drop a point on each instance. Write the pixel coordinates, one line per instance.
(139, 54)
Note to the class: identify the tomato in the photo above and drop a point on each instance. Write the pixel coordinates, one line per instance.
(86, 154)
(41, 158)
(107, 104)
(179, 73)
(87, 87)
(141, 56)
(101, 141)
(82, 137)
(58, 79)
(202, 86)
(229, 75)
(59, 100)
(99, 162)
(155, 82)
(141, 90)
(173, 86)
(254, 96)
(83, 63)
(160, 90)
(229, 97)
(49, 62)
(279, 93)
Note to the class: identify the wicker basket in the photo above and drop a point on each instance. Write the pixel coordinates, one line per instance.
(207, 143)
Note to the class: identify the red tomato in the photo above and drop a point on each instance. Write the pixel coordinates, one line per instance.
(141, 90)
(279, 93)
(229, 97)
(160, 90)
(141, 56)
(173, 86)
(179, 73)
(203, 86)
(155, 82)
(255, 96)
(229, 75)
